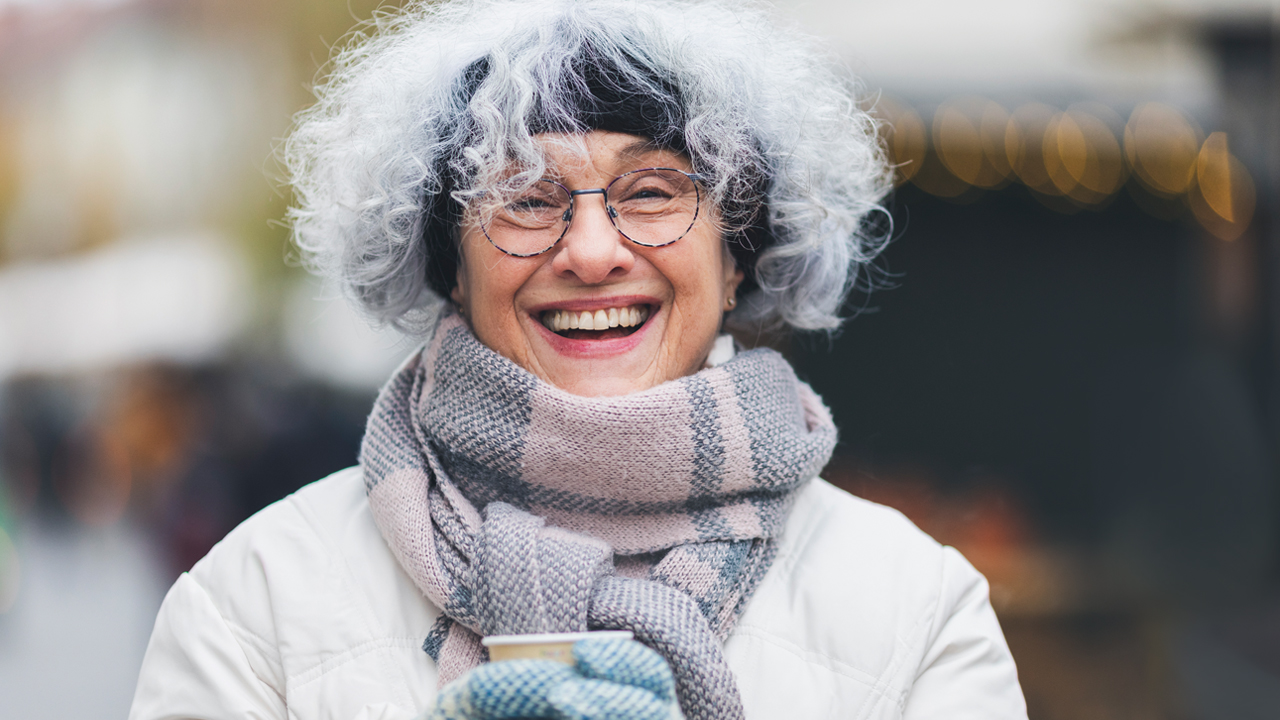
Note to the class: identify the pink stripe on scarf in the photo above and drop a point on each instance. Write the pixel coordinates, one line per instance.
(401, 510)
(587, 446)
(628, 534)
(737, 468)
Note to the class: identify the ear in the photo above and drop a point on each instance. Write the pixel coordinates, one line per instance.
(733, 281)
(459, 292)
(733, 274)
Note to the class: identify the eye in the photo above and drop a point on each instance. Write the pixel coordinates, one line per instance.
(543, 200)
(648, 192)
(647, 189)
(526, 204)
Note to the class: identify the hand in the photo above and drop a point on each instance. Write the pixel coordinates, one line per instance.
(616, 679)
(619, 679)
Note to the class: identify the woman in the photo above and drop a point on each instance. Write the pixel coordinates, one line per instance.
(570, 200)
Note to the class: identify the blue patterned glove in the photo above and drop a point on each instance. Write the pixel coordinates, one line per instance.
(614, 679)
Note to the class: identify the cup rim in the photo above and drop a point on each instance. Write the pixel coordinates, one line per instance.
(548, 638)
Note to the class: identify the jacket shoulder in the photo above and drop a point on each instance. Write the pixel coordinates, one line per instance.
(846, 562)
(850, 606)
(289, 543)
(830, 526)
(313, 560)
(303, 610)
(292, 526)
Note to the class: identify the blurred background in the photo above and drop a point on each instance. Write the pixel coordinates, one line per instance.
(1071, 372)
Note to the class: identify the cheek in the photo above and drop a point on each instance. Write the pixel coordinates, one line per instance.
(486, 285)
(698, 279)
(709, 270)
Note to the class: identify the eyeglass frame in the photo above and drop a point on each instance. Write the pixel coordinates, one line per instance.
(609, 210)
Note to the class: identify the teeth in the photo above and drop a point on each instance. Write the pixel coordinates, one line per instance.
(558, 320)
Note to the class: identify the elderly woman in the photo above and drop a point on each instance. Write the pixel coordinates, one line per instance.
(571, 201)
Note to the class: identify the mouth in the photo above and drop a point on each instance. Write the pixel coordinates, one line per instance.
(600, 324)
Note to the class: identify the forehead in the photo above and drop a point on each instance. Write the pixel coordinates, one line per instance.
(606, 152)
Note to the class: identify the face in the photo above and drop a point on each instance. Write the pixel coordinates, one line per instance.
(677, 292)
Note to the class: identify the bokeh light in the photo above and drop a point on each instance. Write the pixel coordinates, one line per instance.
(968, 134)
(1224, 197)
(903, 134)
(935, 179)
(1072, 159)
(1161, 145)
(1025, 147)
(994, 128)
(1083, 158)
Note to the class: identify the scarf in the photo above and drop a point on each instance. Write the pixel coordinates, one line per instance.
(518, 508)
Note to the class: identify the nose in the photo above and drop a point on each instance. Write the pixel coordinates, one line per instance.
(592, 250)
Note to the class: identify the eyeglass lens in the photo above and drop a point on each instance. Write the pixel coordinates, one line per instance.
(651, 207)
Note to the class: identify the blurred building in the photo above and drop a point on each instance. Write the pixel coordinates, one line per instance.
(166, 368)
(1074, 377)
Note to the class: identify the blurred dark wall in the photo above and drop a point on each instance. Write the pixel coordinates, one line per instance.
(1074, 360)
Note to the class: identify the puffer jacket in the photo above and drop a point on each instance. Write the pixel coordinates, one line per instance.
(302, 612)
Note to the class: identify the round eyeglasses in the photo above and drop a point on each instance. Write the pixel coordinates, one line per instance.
(650, 207)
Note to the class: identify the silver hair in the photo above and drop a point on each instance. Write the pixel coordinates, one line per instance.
(438, 100)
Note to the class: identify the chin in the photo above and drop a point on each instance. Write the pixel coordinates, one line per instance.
(594, 386)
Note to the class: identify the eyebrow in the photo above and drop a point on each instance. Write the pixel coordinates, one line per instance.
(643, 146)
(633, 150)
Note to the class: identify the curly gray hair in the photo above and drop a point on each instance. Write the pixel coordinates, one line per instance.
(431, 106)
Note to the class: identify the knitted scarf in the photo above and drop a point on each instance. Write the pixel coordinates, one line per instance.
(517, 508)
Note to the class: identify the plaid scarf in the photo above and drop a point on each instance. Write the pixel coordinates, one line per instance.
(518, 508)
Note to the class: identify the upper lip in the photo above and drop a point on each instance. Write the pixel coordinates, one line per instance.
(597, 303)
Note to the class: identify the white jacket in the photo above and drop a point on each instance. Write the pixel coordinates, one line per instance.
(302, 612)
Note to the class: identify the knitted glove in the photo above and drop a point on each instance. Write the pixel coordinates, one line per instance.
(613, 679)
(617, 679)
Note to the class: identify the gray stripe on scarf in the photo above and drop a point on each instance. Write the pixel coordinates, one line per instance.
(708, 446)
(478, 427)
(774, 458)
(670, 622)
(534, 579)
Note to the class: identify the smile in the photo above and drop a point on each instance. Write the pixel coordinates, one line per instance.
(601, 324)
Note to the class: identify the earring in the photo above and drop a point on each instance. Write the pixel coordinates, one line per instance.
(732, 302)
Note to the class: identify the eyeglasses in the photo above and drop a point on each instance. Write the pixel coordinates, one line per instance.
(650, 207)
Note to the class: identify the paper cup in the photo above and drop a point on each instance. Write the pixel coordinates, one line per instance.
(547, 646)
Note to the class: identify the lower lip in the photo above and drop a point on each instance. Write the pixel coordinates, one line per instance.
(594, 348)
